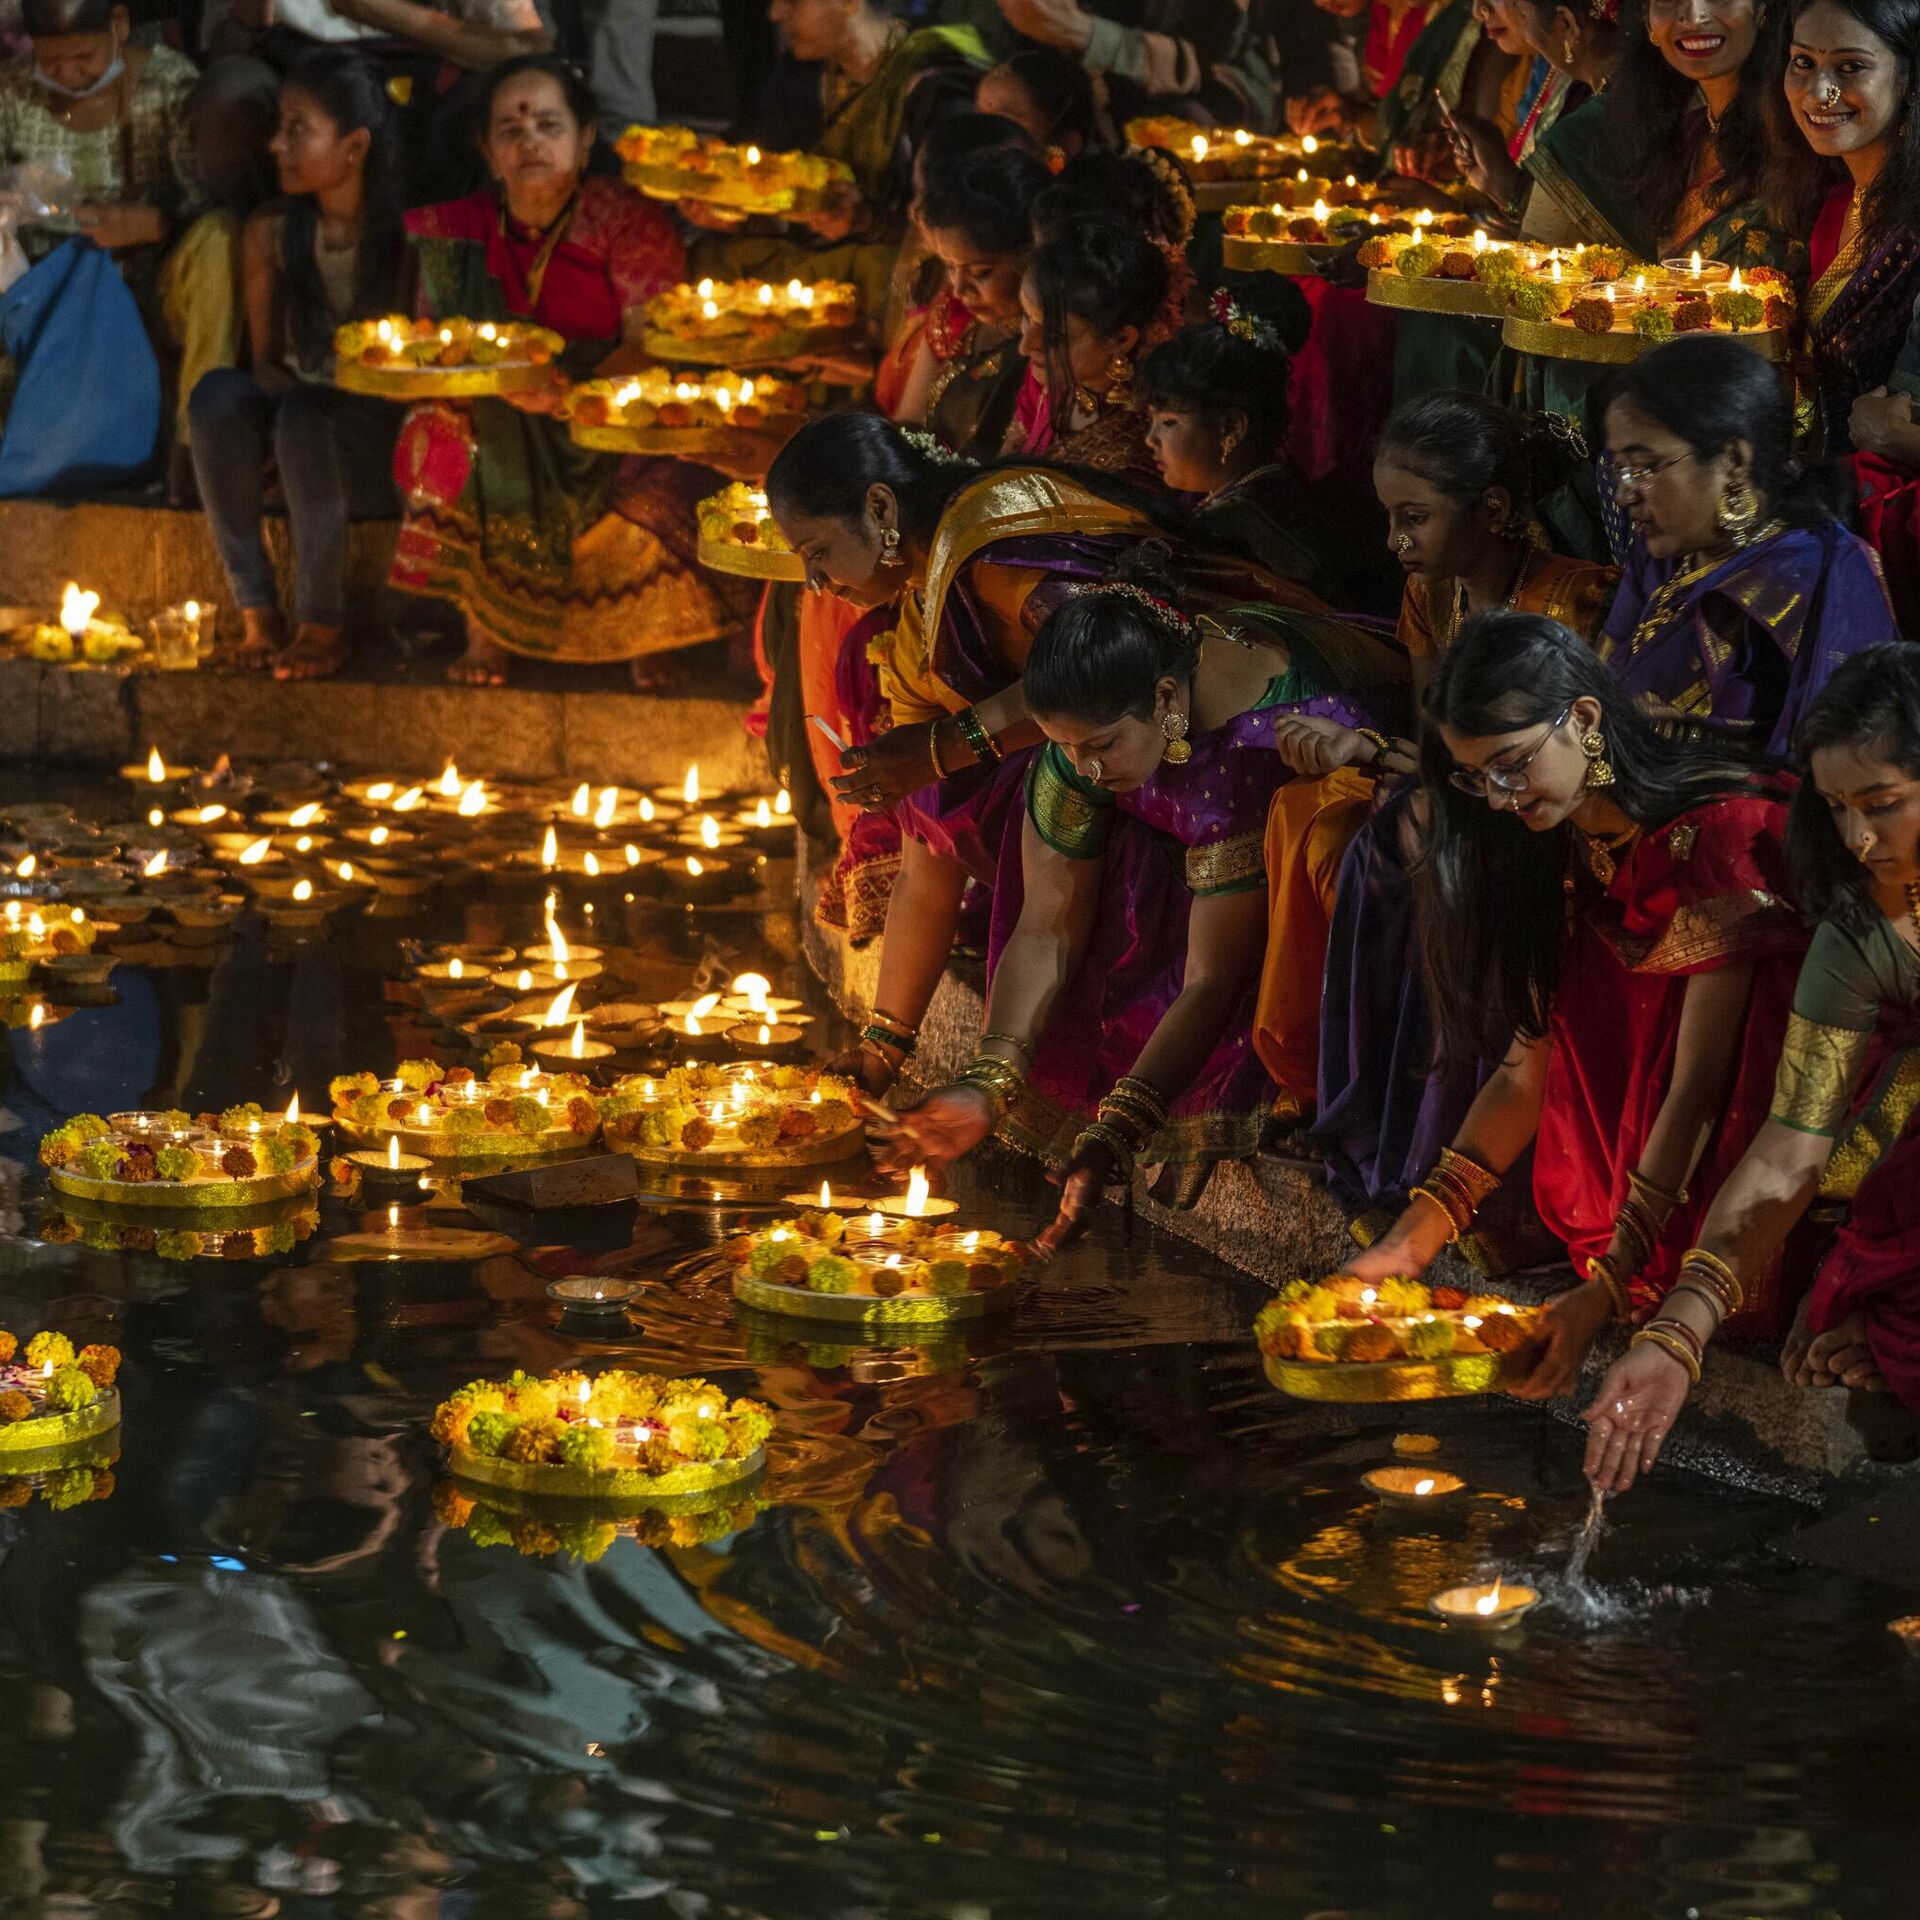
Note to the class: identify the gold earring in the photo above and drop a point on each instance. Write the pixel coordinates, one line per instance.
(1119, 381)
(1568, 48)
(890, 547)
(1228, 441)
(1594, 746)
(1739, 512)
(1179, 749)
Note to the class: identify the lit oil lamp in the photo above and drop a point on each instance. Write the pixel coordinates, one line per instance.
(775, 1039)
(550, 1018)
(1413, 1488)
(526, 980)
(153, 771)
(693, 1025)
(592, 1295)
(696, 879)
(390, 1177)
(917, 1203)
(828, 1201)
(752, 994)
(1695, 275)
(575, 1054)
(767, 823)
(1489, 1609)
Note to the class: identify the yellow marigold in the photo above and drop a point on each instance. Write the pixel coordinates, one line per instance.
(14, 1405)
(536, 1440)
(49, 1346)
(533, 1537)
(450, 1421)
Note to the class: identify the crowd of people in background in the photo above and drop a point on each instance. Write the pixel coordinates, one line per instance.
(1491, 778)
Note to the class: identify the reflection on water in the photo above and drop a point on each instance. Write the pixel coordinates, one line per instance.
(1067, 1616)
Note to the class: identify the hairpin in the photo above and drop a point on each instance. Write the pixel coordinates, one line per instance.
(1164, 611)
(1243, 325)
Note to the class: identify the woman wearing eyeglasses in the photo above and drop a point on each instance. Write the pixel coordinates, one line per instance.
(1604, 911)
(1742, 590)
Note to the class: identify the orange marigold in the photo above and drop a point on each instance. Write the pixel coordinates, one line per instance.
(14, 1405)
(101, 1364)
(8, 1346)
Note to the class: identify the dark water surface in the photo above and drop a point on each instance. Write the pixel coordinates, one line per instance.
(1076, 1617)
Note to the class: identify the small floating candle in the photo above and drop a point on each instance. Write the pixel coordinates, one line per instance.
(1413, 1487)
(590, 1294)
(526, 980)
(761, 1037)
(1493, 1609)
(575, 1054)
(829, 1201)
(390, 1176)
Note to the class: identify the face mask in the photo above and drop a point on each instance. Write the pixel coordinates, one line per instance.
(46, 80)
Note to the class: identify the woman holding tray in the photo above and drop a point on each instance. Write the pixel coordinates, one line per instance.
(1604, 911)
(1841, 1126)
(549, 550)
(1121, 981)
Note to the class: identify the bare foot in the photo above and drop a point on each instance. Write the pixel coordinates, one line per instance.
(1840, 1357)
(1793, 1350)
(317, 653)
(262, 634)
(484, 664)
(661, 673)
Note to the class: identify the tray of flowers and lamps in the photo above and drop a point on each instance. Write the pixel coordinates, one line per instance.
(179, 1166)
(55, 1403)
(1344, 1338)
(398, 358)
(739, 1116)
(676, 163)
(750, 323)
(738, 534)
(691, 415)
(1278, 238)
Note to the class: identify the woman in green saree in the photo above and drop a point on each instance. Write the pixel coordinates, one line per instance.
(878, 86)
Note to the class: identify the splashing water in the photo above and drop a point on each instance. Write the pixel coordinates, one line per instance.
(1576, 1574)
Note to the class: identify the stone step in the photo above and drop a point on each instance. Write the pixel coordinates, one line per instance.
(393, 709)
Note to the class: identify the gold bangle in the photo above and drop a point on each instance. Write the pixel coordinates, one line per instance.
(1641, 1188)
(1455, 1226)
(1022, 1047)
(1713, 1273)
(1601, 1268)
(1479, 1182)
(998, 1079)
(1672, 1345)
(1111, 1138)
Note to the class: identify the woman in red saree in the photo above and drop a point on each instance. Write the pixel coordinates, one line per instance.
(1844, 1124)
(549, 550)
(1607, 909)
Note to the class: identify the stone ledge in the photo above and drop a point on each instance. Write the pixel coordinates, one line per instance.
(1743, 1422)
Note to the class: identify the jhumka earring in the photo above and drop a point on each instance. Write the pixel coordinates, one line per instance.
(1179, 749)
(890, 547)
(1739, 512)
(1228, 441)
(1594, 746)
(1119, 381)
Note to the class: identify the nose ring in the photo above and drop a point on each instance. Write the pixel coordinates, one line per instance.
(1404, 544)
(1094, 769)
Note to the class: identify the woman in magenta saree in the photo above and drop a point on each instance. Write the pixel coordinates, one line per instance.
(548, 549)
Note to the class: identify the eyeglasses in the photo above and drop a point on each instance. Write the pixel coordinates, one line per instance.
(1625, 475)
(1511, 776)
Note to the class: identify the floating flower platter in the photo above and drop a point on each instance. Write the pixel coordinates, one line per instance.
(675, 163)
(180, 1165)
(454, 1114)
(658, 411)
(739, 535)
(750, 323)
(53, 1400)
(1346, 1339)
(748, 1114)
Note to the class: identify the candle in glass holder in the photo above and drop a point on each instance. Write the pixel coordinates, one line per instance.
(389, 1176)
(1491, 1609)
(1692, 274)
(1413, 1487)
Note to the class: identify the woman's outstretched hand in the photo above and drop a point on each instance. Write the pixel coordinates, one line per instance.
(949, 1122)
(1632, 1414)
(1570, 1325)
(1083, 1180)
(898, 763)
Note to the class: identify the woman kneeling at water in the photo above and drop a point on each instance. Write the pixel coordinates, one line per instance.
(1120, 1005)
(1604, 911)
(1845, 1123)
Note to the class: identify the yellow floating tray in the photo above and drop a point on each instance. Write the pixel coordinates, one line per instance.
(1386, 288)
(685, 443)
(1393, 1380)
(865, 1310)
(769, 350)
(187, 1199)
(441, 383)
(751, 563)
(697, 1481)
(1556, 340)
(826, 1151)
(686, 183)
(26, 1446)
(435, 1145)
(1279, 256)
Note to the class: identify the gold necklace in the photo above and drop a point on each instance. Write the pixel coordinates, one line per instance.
(1913, 904)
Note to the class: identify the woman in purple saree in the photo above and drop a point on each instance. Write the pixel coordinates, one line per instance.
(1128, 934)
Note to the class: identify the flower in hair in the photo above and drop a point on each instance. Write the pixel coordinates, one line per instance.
(931, 447)
(1607, 10)
(1056, 159)
(1164, 611)
(1242, 324)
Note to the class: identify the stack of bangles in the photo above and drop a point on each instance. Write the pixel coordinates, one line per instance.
(889, 1039)
(968, 724)
(1709, 1278)
(1637, 1227)
(995, 1076)
(1458, 1187)
(1124, 1122)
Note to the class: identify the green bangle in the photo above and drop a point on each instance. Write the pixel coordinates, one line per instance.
(901, 1043)
(974, 733)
